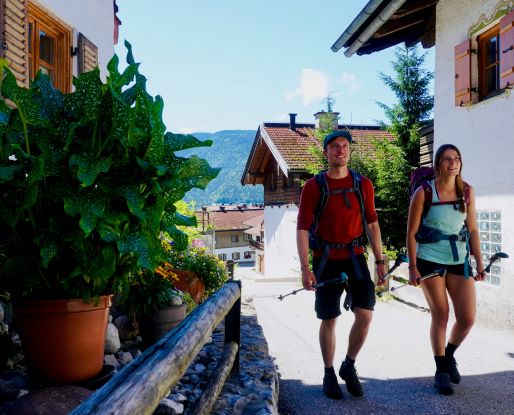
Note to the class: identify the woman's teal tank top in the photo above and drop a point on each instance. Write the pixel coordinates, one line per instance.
(449, 221)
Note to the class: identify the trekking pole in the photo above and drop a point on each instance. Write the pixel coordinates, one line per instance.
(441, 272)
(400, 259)
(341, 279)
(495, 258)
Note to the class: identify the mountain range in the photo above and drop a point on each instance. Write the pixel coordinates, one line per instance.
(229, 151)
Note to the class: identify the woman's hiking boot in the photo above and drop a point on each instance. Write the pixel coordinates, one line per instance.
(349, 375)
(331, 387)
(451, 364)
(442, 383)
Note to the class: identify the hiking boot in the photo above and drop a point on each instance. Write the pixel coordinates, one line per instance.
(331, 387)
(442, 383)
(452, 370)
(349, 375)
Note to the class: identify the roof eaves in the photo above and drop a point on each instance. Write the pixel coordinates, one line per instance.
(354, 26)
(274, 151)
(250, 155)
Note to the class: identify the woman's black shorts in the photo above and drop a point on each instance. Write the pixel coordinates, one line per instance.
(428, 267)
(328, 298)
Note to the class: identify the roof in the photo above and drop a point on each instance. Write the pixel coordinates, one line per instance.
(230, 217)
(290, 148)
(385, 23)
(256, 225)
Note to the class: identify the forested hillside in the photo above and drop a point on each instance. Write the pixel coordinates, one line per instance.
(229, 151)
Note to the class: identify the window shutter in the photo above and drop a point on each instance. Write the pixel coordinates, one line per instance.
(507, 50)
(14, 38)
(88, 54)
(463, 73)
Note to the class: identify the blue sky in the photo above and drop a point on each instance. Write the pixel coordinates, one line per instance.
(225, 65)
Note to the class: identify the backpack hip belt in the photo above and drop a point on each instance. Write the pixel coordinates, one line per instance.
(427, 235)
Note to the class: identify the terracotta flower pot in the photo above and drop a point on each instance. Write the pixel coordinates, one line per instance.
(190, 282)
(63, 340)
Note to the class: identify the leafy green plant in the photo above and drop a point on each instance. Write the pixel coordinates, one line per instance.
(149, 292)
(208, 267)
(88, 181)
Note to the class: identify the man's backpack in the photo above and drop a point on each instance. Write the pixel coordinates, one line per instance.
(314, 240)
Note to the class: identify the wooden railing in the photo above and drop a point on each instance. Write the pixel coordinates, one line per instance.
(139, 387)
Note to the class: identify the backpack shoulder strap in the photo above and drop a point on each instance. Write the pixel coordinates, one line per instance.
(427, 189)
(321, 180)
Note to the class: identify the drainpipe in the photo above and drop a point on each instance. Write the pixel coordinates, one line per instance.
(357, 22)
(376, 24)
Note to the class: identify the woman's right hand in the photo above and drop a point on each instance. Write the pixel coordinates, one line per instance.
(414, 277)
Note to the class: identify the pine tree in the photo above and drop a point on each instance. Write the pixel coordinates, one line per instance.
(415, 103)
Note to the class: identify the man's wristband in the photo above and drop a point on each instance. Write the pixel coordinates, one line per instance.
(380, 261)
(412, 266)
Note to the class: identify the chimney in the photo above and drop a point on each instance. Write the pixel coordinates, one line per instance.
(222, 208)
(326, 120)
(204, 208)
(292, 122)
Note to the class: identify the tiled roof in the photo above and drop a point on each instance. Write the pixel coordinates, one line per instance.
(293, 145)
(230, 218)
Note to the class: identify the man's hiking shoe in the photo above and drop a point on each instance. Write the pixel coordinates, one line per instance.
(349, 375)
(331, 387)
(452, 370)
(442, 383)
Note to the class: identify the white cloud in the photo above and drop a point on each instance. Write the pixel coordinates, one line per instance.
(313, 87)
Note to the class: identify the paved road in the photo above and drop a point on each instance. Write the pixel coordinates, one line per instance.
(396, 364)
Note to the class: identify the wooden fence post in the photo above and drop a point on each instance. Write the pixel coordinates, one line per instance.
(233, 327)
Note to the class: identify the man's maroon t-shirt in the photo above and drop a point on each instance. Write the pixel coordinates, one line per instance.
(338, 223)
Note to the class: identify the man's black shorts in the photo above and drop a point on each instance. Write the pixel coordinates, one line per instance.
(328, 299)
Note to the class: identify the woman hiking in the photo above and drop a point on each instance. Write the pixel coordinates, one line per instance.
(451, 218)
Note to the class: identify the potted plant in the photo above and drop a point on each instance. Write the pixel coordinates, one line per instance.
(154, 302)
(88, 181)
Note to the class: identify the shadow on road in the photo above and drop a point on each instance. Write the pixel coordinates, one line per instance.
(481, 394)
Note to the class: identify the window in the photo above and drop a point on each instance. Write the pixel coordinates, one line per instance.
(489, 61)
(258, 238)
(493, 69)
(248, 254)
(235, 255)
(222, 257)
(49, 45)
(247, 237)
(234, 238)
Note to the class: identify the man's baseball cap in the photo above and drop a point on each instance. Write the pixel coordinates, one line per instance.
(332, 136)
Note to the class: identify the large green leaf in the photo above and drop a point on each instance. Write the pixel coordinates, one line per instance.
(111, 225)
(146, 247)
(135, 201)
(196, 172)
(89, 204)
(85, 102)
(89, 167)
(177, 142)
(155, 150)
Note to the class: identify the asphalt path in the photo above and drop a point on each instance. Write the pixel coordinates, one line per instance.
(396, 364)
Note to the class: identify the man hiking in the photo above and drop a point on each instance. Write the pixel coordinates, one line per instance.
(336, 207)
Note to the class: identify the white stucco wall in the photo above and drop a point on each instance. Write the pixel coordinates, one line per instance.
(93, 18)
(241, 249)
(484, 132)
(281, 258)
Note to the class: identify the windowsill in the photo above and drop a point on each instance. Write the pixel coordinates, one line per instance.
(499, 94)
